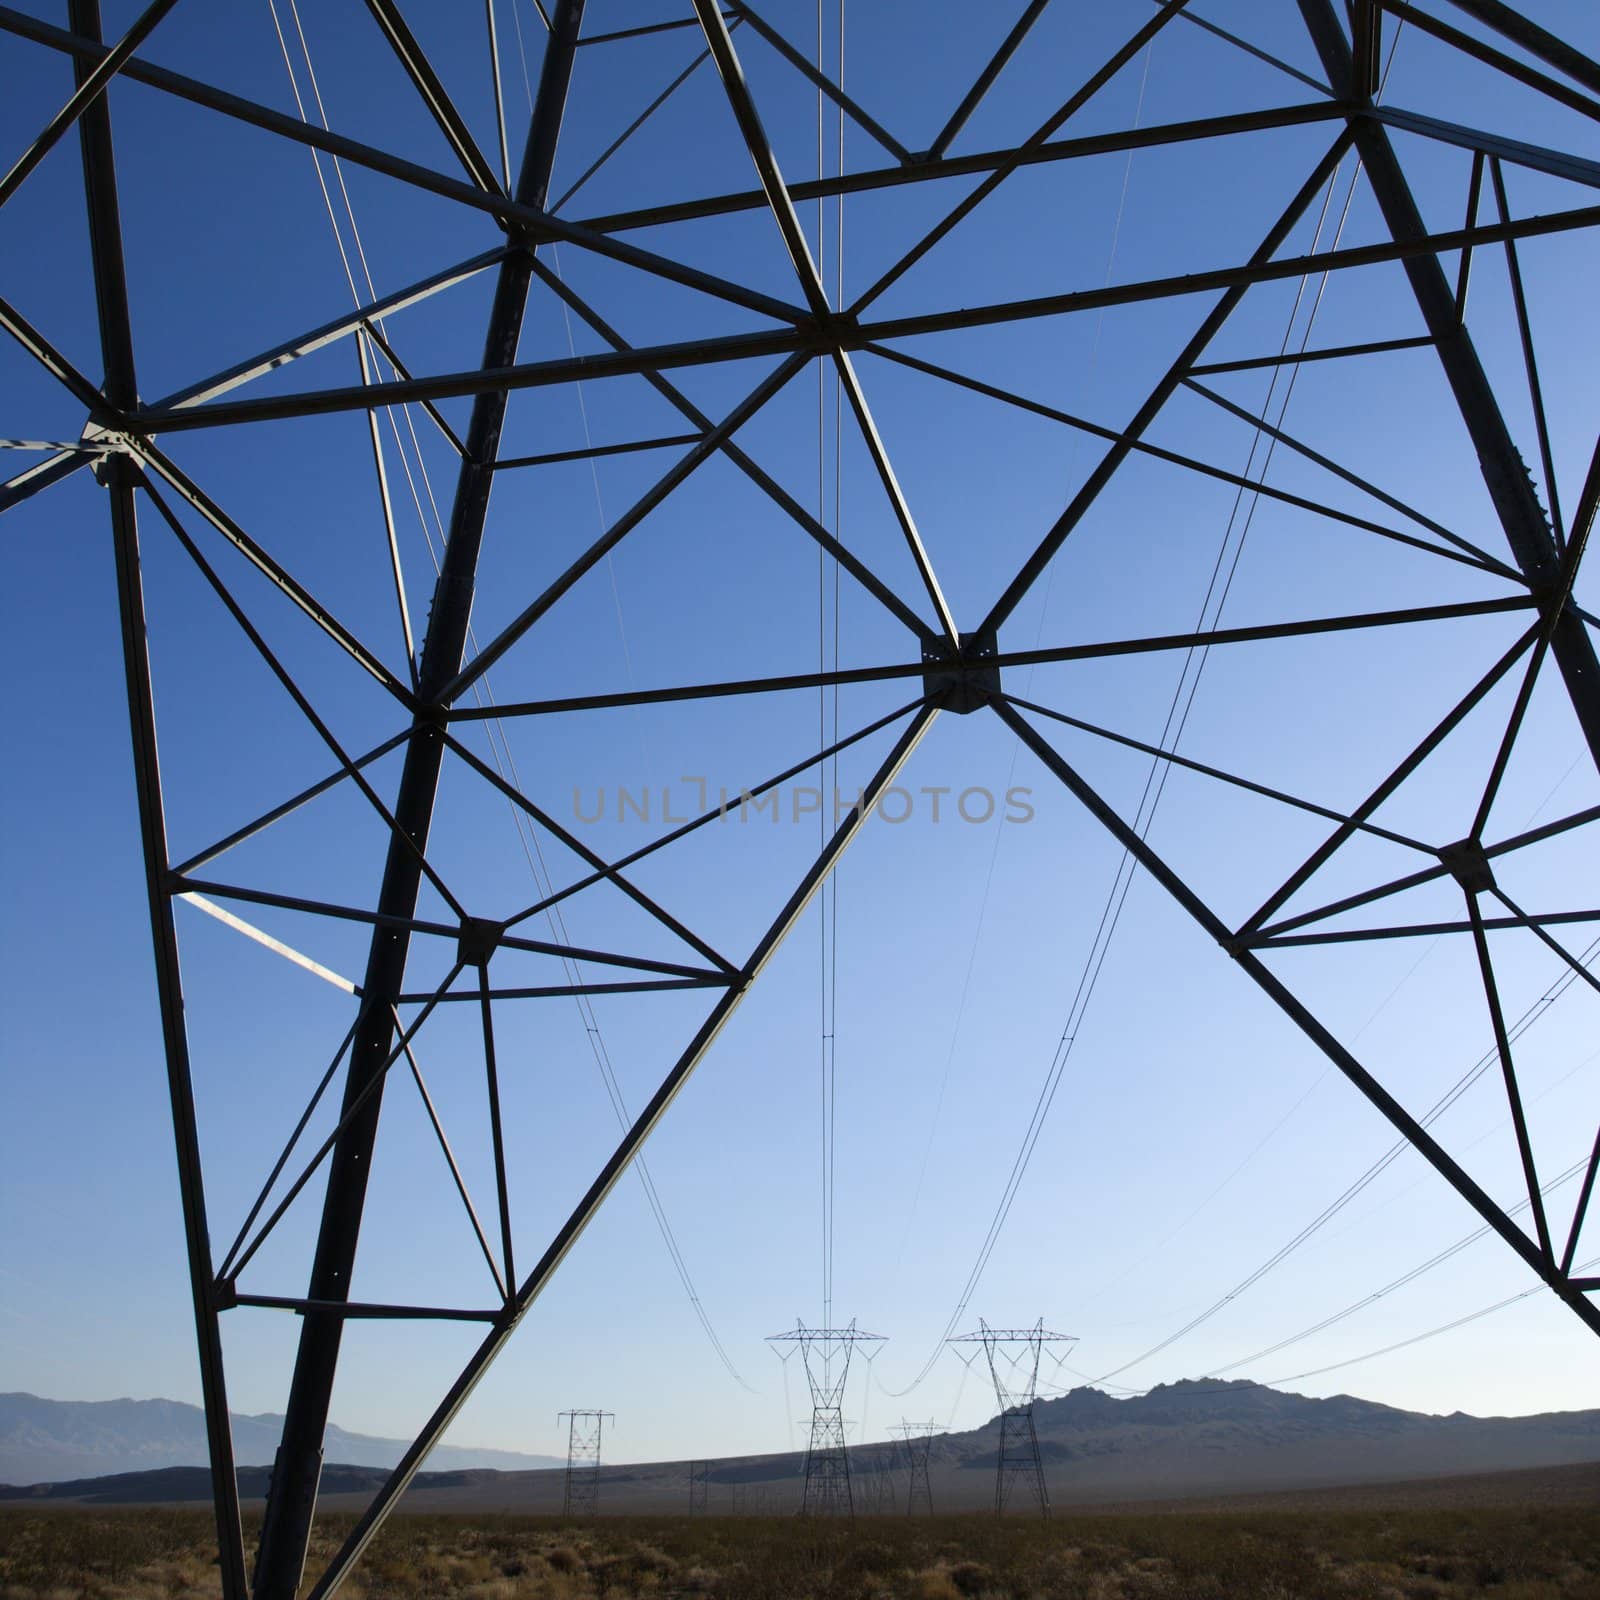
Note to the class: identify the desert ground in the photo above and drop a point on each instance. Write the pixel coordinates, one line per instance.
(1514, 1536)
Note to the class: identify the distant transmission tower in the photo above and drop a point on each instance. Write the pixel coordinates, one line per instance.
(699, 1483)
(584, 1428)
(917, 1438)
(826, 1353)
(1013, 1355)
(875, 1492)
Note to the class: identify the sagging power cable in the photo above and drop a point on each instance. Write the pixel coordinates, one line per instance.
(1387, 1159)
(1368, 1355)
(1016, 751)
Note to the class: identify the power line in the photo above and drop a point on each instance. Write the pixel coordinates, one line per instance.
(1405, 1278)
(1016, 750)
(1352, 1361)
(1387, 1159)
(1432, 1333)
(1016, 744)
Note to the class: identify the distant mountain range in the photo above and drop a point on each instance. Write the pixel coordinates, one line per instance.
(1207, 1436)
(1181, 1441)
(51, 1440)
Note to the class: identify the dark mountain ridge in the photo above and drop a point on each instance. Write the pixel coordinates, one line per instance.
(1206, 1435)
(1189, 1439)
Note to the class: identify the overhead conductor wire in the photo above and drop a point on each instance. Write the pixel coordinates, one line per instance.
(1016, 751)
(1387, 1159)
(1580, 1270)
(1536, 1011)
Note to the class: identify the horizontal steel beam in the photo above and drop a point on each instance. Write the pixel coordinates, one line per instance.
(594, 452)
(1005, 658)
(1273, 271)
(985, 161)
(1293, 358)
(1417, 930)
(554, 991)
(838, 334)
(439, 930)
(361, 1310)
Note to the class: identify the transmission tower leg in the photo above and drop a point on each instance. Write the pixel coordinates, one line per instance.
(286, 1528)
(918, 1491)
(224, 1482)
(121, 388)
(827, 1486)
(1019, 1462)
(1527, 528)
(1041, 1493)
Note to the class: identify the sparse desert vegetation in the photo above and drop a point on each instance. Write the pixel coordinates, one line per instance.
(1511, 1554)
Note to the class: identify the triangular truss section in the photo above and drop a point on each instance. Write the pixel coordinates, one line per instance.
(431, 623)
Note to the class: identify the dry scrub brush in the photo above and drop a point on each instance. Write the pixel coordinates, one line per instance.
(75, 1554)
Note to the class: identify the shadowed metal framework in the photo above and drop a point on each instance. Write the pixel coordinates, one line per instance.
(826, 1353)
(916, 1440)
(1527, 557)
(1012, 1356)
(581, 1492)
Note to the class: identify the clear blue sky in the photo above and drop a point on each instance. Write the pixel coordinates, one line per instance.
(1194, 1131)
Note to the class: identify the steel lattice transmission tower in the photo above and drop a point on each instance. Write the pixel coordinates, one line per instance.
(581, 1497)
(312, 386)
(826, 1354)
(916, 1440)
(699, 1486)
(1013, 1356)
(872, 1486)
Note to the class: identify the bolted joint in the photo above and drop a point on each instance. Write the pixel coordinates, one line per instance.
(448, 617)
(478, 940)
(114, 467)
(964, 681)
(838, 330)
(1516, 495)
(523, 239)
(1468, 865)
(1552, 594)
